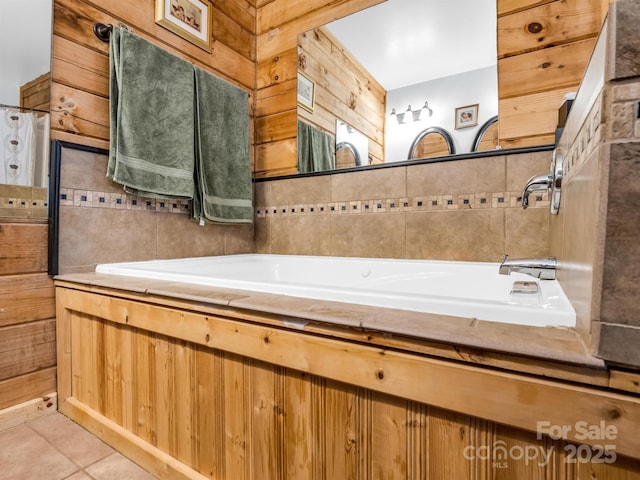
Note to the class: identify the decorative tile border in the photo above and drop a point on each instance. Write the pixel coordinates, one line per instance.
(471, 201)
(122, 201)
(622, 105)
(22, 203)
(586, 141)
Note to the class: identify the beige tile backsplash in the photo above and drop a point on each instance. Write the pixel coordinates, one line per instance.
(100, 223)
(460, 210)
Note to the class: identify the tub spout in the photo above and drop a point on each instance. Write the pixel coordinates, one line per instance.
(542, 268)
(535, 184)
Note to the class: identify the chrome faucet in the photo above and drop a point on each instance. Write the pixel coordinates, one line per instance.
(551, 183)
(539, 183)
(542, 268)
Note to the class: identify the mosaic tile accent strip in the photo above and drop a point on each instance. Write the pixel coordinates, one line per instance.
(24, 203)
(586, 141)
(402, 204)
(122, 201)
(623, 124)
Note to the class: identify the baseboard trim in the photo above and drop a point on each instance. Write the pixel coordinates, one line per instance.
(23, 412)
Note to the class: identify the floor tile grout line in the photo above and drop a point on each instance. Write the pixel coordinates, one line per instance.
(80, 467)
(55, 447)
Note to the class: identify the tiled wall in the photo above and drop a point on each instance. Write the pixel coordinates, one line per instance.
(457, 210)
(595, 235)
(99, 223)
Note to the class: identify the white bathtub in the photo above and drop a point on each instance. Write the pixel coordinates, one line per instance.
(461, 289)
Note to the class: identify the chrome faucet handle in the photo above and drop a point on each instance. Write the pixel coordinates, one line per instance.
(538, 183)
(551, 183)
(504, 257)
(555, 187)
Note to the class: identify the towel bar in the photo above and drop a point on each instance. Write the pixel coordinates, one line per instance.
(102, 31)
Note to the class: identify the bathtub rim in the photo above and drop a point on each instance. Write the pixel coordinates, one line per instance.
(561, 345)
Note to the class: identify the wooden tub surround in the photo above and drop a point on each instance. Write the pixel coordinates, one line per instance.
(197, 382)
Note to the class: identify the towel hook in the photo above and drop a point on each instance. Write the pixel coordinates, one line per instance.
(102, 31)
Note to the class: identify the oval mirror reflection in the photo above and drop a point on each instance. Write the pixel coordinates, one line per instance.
(347, 155)
(432, 142)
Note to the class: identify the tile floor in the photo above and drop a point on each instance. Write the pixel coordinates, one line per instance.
(53, 447)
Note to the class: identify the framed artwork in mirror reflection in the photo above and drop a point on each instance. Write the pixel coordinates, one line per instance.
(305, 92)
(467, 116)
(190, 19)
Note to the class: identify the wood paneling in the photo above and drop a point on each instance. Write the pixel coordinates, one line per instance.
(26, 305)
(543, 51)
(550, 24)
(36, 93)
(80, 67)
(27, 348)
(553, 68)
(286, 407)
(537, 112)
(23, 248)
(24, 388)
(511, 6)
(27, 311)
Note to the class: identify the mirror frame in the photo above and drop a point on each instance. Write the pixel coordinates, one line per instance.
(352, 149)
(439, 130)
(481, 132)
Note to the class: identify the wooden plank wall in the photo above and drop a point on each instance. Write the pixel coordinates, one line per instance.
(255, 47)
(37, 93)
(27, 314)
(80, 65)
(279, 22)
(344, 90)
(543, 50)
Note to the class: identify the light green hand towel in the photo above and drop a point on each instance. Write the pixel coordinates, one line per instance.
(224, 190)
(316, 149)
(152, 118)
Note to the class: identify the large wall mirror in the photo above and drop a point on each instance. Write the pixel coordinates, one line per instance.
(25, 56)
(396, 69)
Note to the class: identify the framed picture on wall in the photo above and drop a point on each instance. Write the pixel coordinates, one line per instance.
(467, 116)
(305, 92)
(191, 19)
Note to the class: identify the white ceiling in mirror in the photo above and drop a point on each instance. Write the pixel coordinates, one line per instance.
(25, 44)
(404, 42)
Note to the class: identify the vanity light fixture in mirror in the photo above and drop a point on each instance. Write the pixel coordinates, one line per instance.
(410, 115)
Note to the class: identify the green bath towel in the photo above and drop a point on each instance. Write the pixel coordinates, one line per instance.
(316, 149)
(223, 188)
(152, 118)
